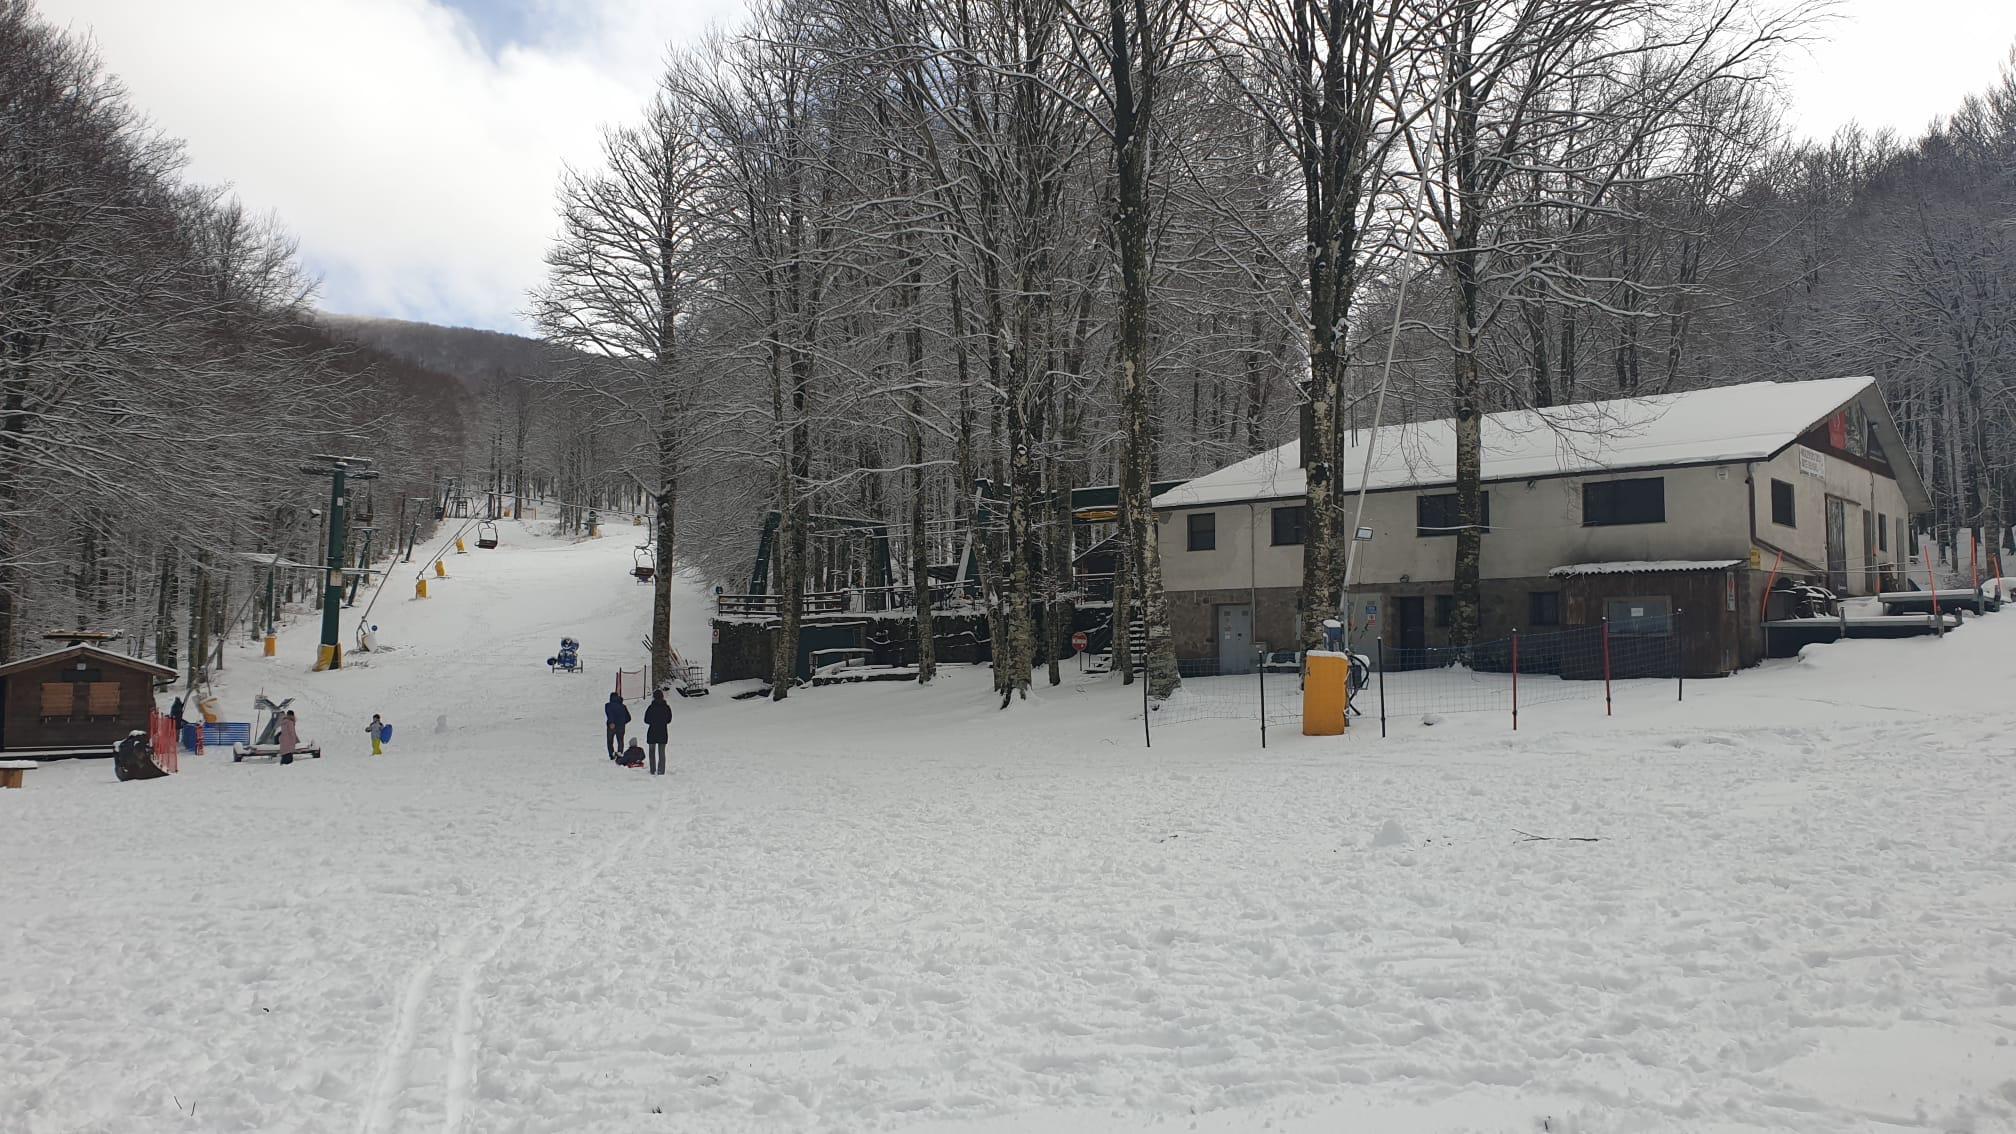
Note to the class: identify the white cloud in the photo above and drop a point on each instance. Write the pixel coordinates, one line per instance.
(1898, 64)
(417, 169)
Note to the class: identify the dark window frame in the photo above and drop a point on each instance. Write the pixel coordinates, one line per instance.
(1447, 525)
(1295, 514)
(1882, 532)
(1445, 611)
(1543, 608)
(1604, 502)
(1783, 493)
(1208, 531)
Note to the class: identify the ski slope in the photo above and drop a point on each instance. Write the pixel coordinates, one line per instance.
(882, 907)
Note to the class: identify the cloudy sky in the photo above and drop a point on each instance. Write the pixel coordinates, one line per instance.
(413, 145)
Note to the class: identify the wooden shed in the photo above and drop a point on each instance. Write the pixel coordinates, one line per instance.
(1665, 618)
(78, 697)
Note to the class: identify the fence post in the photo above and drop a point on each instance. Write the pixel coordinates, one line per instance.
(1380, 647)
(1679, 653)
(1515, 681)
(1606, 668)
(1147, 735)
(1263, 698)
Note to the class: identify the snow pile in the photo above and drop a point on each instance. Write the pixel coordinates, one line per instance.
(880, 907)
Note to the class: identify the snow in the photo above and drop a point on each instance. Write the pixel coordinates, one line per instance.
(885, 907)
(1645, 567)
(1747, 422)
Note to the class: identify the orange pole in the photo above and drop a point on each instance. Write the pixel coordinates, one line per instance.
(1764, 607)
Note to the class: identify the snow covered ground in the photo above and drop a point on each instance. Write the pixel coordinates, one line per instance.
(885, 907)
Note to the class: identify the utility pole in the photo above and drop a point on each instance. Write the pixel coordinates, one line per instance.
(363, 563)
(340, 471)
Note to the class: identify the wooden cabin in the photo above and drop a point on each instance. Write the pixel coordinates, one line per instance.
(78, 697)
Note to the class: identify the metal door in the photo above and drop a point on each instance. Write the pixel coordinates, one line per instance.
(1235, 639)
(1412, 620)
(1837, 545)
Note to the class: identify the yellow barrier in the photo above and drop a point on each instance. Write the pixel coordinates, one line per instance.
(272, 646)
(459, 549)
(420, 588)
(1326, 694)
(329, 657)
(440, 569)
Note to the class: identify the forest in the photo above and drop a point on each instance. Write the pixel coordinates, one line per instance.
(937, 264)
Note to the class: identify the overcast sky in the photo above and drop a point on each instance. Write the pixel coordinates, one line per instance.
(413, 145)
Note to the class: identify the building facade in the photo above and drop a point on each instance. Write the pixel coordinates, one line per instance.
(1689, 502)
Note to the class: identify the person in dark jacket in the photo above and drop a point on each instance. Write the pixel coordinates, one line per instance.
(657, 718)
(617, 715)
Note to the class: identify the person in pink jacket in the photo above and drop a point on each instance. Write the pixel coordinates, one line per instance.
(290, 737)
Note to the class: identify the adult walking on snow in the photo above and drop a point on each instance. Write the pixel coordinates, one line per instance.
(656, 732)
(617, 715)
(290, 737)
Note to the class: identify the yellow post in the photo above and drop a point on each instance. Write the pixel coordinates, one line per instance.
(459, 549)
(329, 657)
(272, 646)
(420, 588)
(1326, 693)
(440, 569)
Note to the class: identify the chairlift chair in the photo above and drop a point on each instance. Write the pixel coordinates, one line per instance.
(486, 535)
(642, 566)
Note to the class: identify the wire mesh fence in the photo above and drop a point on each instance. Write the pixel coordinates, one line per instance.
(1521, 674)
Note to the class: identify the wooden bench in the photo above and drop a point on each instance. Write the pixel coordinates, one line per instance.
(11, 772)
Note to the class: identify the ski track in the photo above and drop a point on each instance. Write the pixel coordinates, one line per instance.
(461, 1019)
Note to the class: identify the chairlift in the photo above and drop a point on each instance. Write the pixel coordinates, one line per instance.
(486, 535)
(643, 567)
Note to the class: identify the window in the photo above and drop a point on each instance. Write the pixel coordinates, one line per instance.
(1640, 617)
(1445, 610)
(1543, 608)
(1782, 512)
(1287, 526)
(1882, 532)
(1438, 516)
(1607, 502)
(59, 700)
(1203, 531)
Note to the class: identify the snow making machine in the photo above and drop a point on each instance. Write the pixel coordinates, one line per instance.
(568, 660)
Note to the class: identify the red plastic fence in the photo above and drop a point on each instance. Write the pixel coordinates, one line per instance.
(167, 746)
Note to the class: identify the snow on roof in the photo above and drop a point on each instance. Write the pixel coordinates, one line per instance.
(1645, 567)
(83, 651)
(1727, 423)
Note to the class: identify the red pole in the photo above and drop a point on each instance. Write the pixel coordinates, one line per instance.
(1515, 681)
(1764, 607)
(1606, 668)
(1974, 566)
(1932, 578)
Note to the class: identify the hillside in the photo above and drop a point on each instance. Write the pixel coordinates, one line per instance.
(1771, 907)
(473, 356)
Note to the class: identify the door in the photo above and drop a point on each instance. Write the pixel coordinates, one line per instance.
(1837, 545)
(1235, 639)
(1411, 616)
